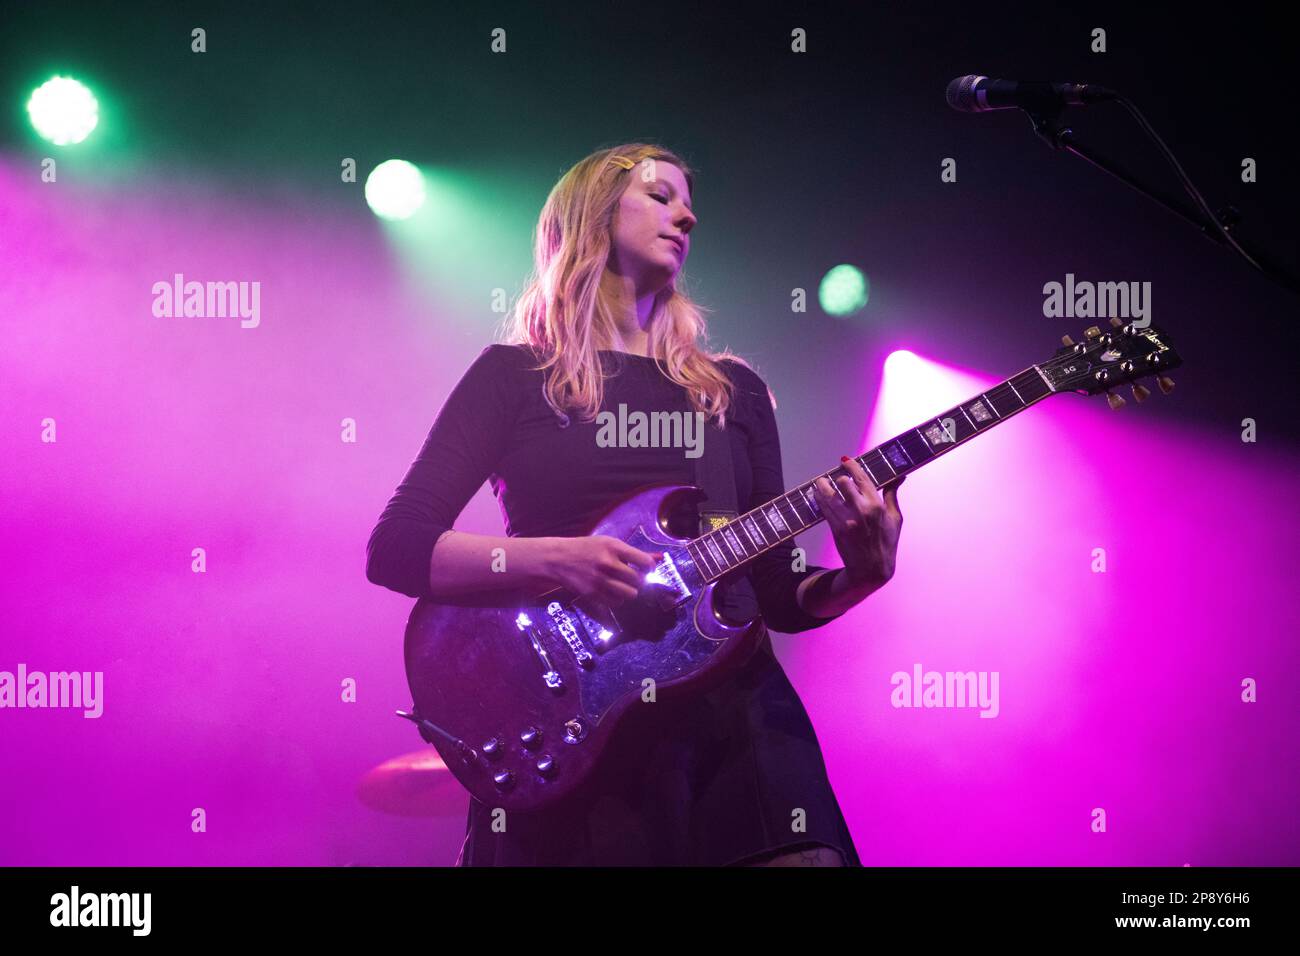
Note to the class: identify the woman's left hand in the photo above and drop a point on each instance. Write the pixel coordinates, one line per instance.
(864, 523)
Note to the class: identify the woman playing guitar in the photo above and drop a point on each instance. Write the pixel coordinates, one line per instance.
(734, 776)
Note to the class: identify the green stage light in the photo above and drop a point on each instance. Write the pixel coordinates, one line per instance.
(395, 189)
(844, 291)
(63, 111)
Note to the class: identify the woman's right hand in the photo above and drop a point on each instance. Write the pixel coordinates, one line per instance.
(602, 570)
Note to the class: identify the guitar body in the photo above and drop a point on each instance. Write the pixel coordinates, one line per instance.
(528, 692)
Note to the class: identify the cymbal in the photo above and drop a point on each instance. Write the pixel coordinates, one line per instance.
(416, 784)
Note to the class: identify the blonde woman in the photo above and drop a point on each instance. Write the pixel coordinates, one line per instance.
(716, 779)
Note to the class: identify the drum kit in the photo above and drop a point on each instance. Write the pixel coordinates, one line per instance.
(416, 784)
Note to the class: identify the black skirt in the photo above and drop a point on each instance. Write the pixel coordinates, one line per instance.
(711, 780)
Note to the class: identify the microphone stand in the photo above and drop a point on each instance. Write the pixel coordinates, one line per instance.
(1046, 119)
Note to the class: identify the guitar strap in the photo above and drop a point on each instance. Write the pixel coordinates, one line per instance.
(715, 475)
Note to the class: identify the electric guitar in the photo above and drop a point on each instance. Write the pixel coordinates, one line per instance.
(522, 696)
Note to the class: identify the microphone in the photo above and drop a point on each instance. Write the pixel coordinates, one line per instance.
(978, 94)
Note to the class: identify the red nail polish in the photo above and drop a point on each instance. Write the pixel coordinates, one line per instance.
(844, 457)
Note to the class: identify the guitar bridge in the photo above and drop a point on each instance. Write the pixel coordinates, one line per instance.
(564, 624)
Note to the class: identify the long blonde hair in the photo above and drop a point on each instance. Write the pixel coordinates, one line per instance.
(564, 315)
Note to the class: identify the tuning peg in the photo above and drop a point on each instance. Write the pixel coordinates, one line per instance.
(1166, 383)
(1116, 323)
(1066, 341)
(1116, 402)
(1092, 332)
(1140, 392)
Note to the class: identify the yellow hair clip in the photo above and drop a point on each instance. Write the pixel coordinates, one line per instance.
(622, 161)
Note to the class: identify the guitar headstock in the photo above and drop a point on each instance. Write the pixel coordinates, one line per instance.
(1122, 355)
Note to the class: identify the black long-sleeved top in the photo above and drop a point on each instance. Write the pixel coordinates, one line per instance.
(718, 777)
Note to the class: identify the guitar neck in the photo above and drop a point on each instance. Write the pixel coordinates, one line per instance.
(751, 534)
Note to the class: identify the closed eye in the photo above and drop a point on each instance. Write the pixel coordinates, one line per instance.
(662, 199)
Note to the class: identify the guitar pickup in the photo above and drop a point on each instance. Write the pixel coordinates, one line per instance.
(670, 590)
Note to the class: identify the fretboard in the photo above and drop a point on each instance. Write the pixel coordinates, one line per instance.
(746, 537)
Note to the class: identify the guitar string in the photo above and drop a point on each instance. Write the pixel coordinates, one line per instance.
(1004, 388)
(992, 397)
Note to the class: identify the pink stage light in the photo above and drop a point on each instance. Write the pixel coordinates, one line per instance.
(1106, 678)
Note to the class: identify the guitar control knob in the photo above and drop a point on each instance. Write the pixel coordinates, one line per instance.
(546, 765)
(530, 737)
(504, 780)
(492, 748)
(574, 731)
